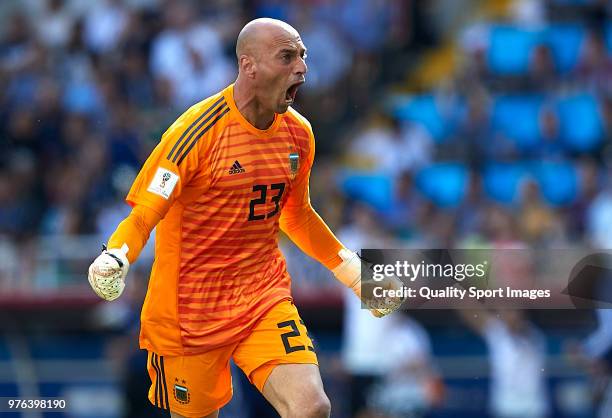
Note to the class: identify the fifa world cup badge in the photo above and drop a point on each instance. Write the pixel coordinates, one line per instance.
(165, 178)
(294, 163)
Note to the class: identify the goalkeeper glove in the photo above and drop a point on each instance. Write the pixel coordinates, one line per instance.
(107, 273)
(349, 273)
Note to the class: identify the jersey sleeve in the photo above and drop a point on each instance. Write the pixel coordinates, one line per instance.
(134, 231)
(176, 161)
(299, 195)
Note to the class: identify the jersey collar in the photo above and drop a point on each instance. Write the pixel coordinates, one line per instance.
(228, 93)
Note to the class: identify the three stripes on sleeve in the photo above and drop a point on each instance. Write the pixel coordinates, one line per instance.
(194, 132)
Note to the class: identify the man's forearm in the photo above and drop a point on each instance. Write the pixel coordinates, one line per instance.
(134, 231)
(309, 232)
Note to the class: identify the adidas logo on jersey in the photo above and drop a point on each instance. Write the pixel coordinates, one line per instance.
(236, 168)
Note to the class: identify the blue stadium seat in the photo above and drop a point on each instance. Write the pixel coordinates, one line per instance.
(581, 122)
(517, 117)
(444, 183)
(82, 98)
(374, 189)
(510, 50)
(565, 42)
(424, 110)
(502, 181)
(558, 181)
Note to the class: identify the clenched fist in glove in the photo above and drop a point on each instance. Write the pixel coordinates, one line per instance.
(107, 273)
(349, 273)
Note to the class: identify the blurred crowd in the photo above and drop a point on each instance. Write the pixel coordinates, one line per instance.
(439, 124)
(509, 141)
(87, 88)
(511, 145)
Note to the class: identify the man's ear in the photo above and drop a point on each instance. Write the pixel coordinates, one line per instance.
(247, 65)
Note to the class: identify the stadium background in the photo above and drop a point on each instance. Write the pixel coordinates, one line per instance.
(439, 124)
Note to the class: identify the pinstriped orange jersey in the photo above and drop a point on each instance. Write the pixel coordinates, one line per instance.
(220, 185)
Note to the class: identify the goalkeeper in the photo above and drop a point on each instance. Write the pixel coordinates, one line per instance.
(225, 177)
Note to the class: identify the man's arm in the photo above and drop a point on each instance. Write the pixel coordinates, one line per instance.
(308, 231)
(107, 272)
(133, 232)
(172, 165)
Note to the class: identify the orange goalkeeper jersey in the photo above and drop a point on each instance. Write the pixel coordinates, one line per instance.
(220, 186)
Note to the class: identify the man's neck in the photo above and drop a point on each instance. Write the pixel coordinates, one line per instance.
(250, 108)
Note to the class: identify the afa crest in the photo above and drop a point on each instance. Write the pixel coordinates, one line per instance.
(181, 393)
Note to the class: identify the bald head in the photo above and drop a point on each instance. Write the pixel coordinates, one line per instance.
(258, 33)
(271, 66)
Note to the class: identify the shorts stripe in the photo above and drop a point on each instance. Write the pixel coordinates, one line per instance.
(156, 380)
(161, 383)
(163, 372)
(195, 122)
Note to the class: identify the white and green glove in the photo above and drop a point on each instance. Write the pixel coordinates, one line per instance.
(107, 273)
(349, 273)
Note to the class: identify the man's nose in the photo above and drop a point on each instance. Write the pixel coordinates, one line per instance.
(301, 67)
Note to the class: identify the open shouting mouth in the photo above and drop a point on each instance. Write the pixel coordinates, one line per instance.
(292, 91)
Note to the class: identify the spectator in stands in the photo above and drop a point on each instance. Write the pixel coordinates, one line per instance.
(354, 15)
(365, 338)
(105, 24)
(542, 76)
(529, 13)
(134, 78)
(329, 57)
(439, 229)
(188, 56)
(594, 353)
(54, 24)
(517, 360)
(21, 61)
(549, 146)
(595, 65)
(473, 138)
(405, 215)
(390, 146)
(589, 185)
(74, 63)
(87, 86)
(374, 148)
(49, 117)
(472, 211)
(474, 42)
(539, 224)
(599, 218)
(411, 386)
